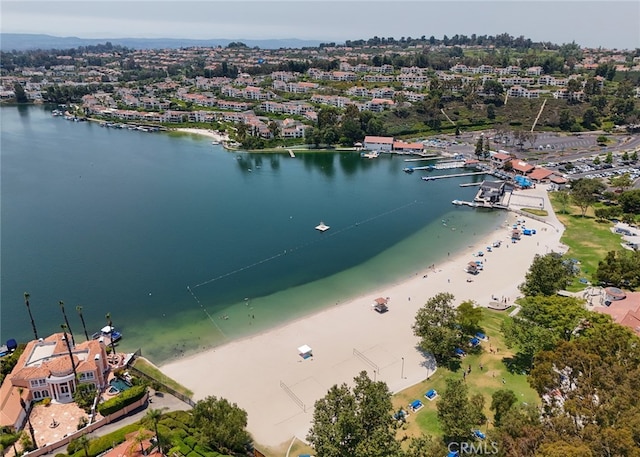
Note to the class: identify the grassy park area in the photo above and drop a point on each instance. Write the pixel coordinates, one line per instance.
(588, 239)
(495, 375)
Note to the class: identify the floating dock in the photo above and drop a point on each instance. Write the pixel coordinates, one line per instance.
(455, 175)
(322, 227)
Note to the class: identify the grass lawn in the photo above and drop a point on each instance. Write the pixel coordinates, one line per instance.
(150, 369)
(485, 381)
(588, 239)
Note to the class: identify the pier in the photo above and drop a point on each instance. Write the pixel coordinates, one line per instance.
(455, 175)
(291, 154)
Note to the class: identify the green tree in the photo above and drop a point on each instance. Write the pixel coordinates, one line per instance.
(437, 327)
(566, 120)
(456, 414)
(469, 316)
(620, 269)
(425, 446)
(491, 111)
(630, 201)
(479, 151)
(357, 423)
(21, 96)
(563, 198)
(221, 425)
(351, 131)
(596, 376)
(634, 156)
(547, 275)
(609, 158)
(154, 416)
(84, 441)
(621, 182)
(585, 192)
(590, 118)
(542, 322)
(327, 117)
(84, 396)
(501, 401)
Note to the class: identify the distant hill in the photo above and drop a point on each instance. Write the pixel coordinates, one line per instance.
(25, 42)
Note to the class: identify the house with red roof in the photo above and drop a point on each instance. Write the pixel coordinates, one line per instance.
(407, 148)
(521, 167)
(540, 174)
(45, 370)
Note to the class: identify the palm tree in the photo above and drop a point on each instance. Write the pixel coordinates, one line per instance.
(73, 363)
(110, 324)
(84, 442)
(154, 416)
(66, 321)
(84, 327)
(33, 324)
(24, 408)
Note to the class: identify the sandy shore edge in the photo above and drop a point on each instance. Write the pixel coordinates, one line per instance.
(264, 374)
(215, 135)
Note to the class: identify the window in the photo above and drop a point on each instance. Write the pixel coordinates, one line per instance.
(37, 395)
(42, 382)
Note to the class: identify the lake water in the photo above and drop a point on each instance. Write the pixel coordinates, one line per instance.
(188, 245)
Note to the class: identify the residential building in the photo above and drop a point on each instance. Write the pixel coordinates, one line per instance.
(45, 370)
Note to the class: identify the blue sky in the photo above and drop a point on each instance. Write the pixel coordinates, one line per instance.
(606, 23)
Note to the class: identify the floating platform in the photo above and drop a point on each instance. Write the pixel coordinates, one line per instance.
(322, 227)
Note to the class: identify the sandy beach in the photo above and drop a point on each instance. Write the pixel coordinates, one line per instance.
(215, 135)
(265, 375)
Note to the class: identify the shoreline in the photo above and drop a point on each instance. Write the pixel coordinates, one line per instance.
(215, 135)
(264, 375)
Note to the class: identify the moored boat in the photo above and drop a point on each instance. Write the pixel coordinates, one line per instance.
(109, 333)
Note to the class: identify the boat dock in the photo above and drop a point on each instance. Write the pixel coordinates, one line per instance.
(470, 184)
(455, 175)
(291, 153)
(479, 205)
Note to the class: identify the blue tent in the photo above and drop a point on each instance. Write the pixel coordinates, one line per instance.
(415, 405)
(431, 394)
(460, 352)
(474, 342)
(481, 336)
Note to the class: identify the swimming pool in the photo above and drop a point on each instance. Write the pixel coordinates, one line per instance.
(119, 384)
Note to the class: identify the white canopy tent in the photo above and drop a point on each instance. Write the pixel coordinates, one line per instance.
(305, 351)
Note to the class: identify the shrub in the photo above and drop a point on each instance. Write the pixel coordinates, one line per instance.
(106, 442)
(46, 401)
(123, 399)
(190, 441)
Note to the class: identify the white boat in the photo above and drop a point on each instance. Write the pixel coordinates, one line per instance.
(215, 142)
(322, 227)
(108, 333)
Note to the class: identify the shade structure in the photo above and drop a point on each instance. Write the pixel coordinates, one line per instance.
(305, 351)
